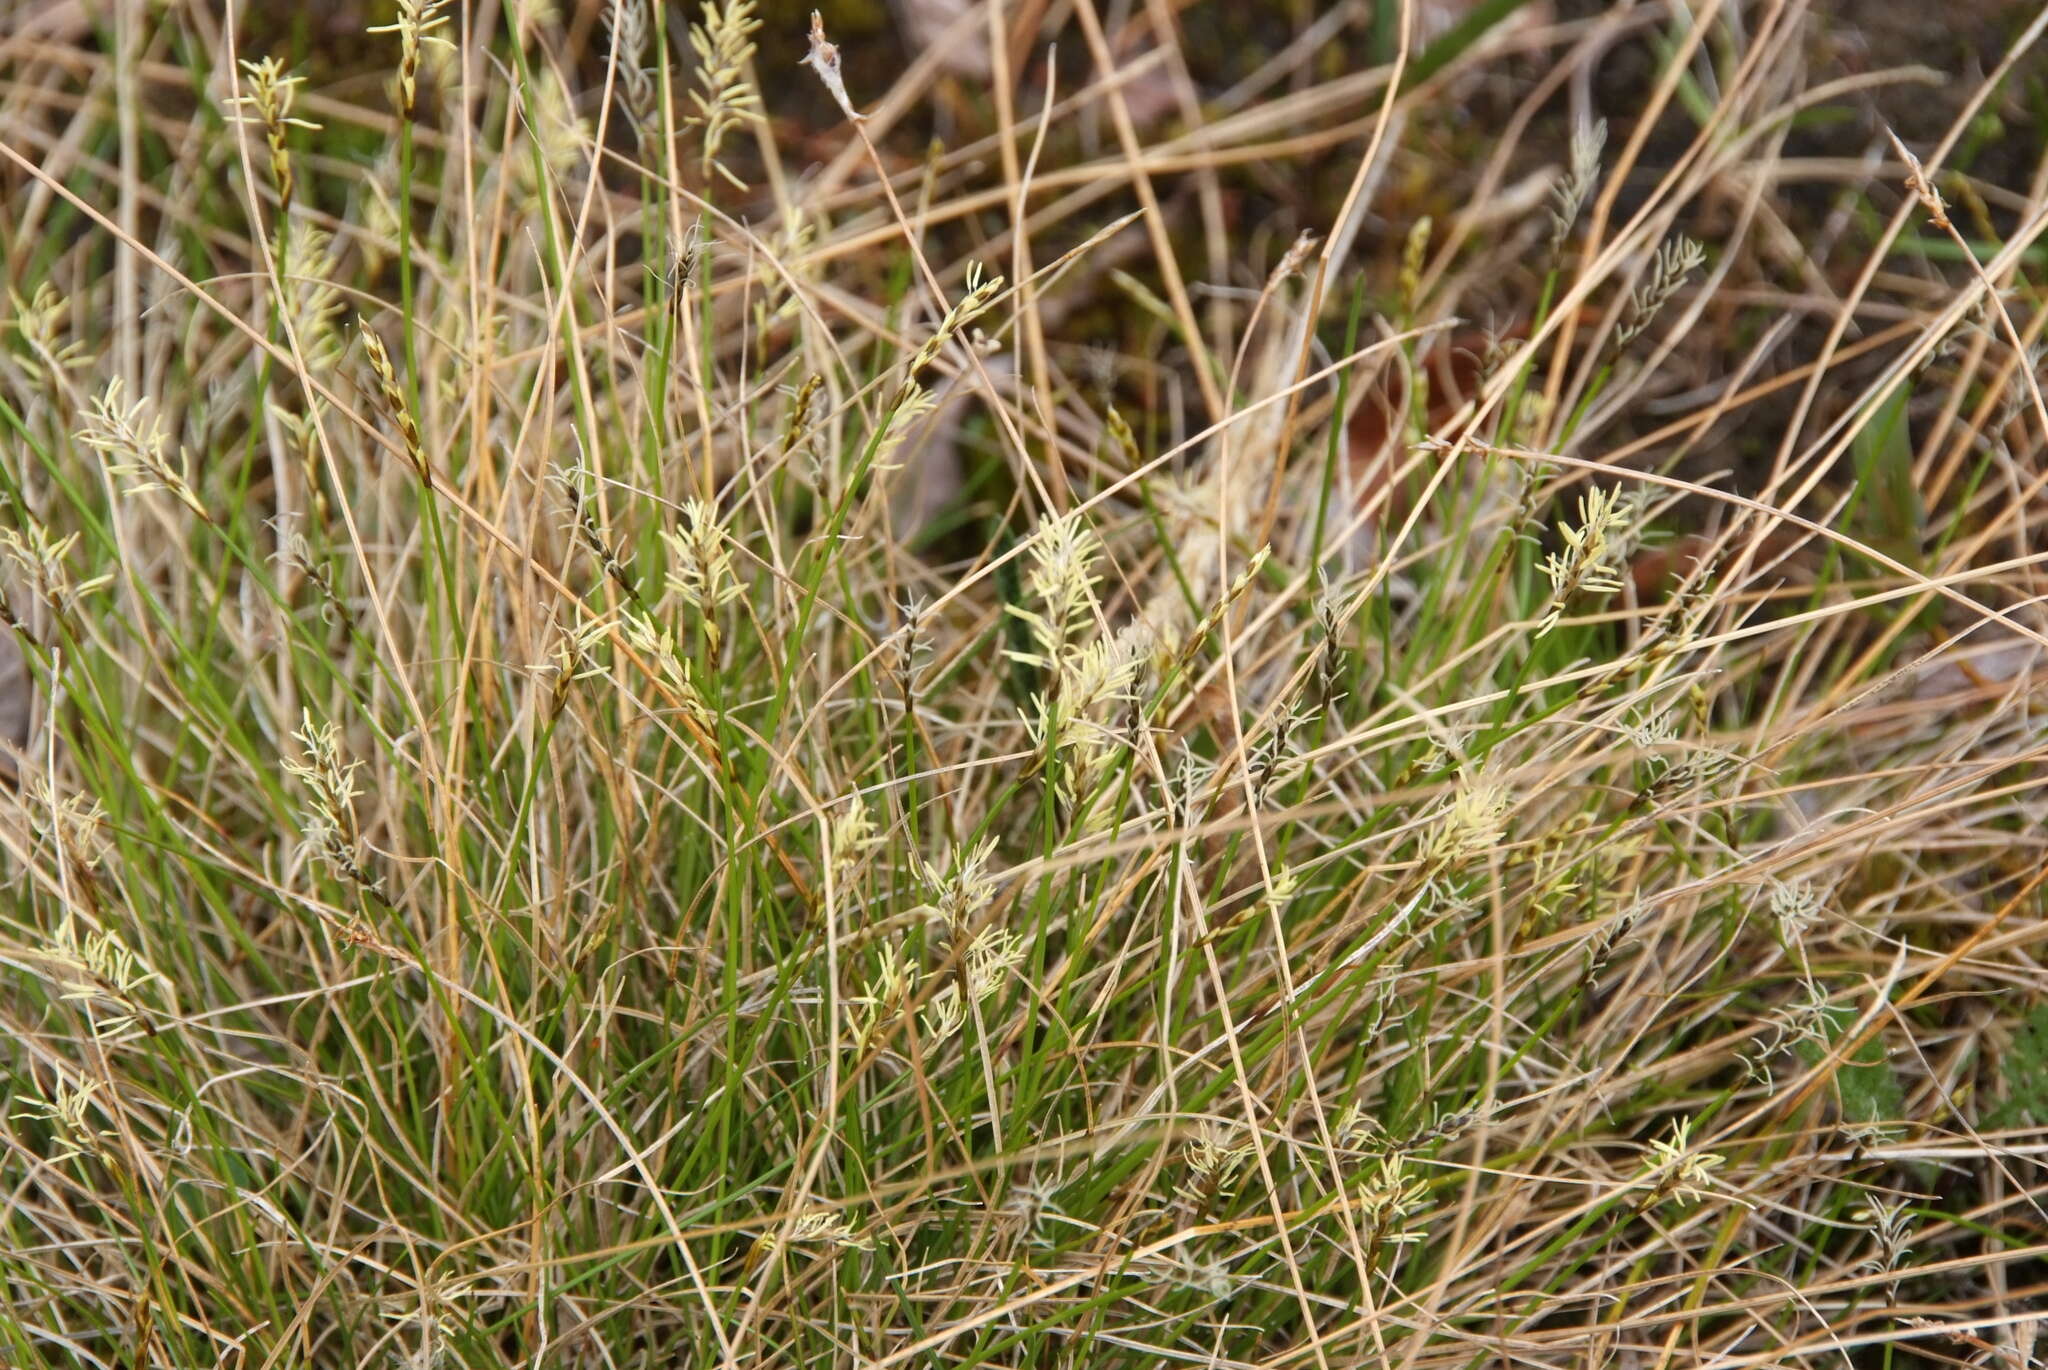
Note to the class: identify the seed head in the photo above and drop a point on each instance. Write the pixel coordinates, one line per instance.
(39, 320)
(657, 642)
(1890, 1222)
(268, 102)
(1570, 195)
(981, 293)
(1388, 1195)
(945, 1013)
(1074, 723)
(1796, 907)
(850, 837)
(395, 402)
(328, 778)
(1296, 257)
(98, 968)
(627, 23)
(1215, 1159)
(1062, 581)
(1594, 552)
(1470, 824)
(68, 1113)
(820, 1227)
(991, 958)
(882, 998)
(1677, 258)
(41, 562)
(700, 569)
(1677, 1171)
(307, 293)
(824, 60)
(1919, 185)
(912, 403)
(1414, 253)
(963, 888)
(133, 442)
(723, 41)
(415, 25)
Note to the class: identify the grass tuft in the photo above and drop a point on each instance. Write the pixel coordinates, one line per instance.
(1237, 694)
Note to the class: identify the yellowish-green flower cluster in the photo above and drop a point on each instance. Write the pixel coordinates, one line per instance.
(725, 99)
(132, 440)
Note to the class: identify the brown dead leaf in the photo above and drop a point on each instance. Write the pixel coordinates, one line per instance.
(1454, 370)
